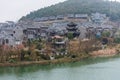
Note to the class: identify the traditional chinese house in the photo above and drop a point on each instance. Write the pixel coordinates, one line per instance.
(59, 44)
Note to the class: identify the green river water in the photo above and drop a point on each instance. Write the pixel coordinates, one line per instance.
(89, 69)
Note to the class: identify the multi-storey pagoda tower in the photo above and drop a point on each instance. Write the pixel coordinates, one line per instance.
(72, 28)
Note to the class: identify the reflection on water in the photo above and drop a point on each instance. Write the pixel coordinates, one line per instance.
(89, 69)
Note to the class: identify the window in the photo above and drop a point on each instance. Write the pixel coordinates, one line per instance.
(3, 42)
(11, 34)
(14, 32)
(7, 41)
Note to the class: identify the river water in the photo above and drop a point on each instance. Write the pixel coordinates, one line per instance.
(89, 69)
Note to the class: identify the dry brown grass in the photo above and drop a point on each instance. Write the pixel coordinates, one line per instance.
(76, 46)
(105, 52)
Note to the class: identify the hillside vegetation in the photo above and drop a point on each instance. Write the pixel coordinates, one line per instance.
(112, 9)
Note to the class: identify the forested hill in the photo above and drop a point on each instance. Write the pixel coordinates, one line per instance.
(112, 9)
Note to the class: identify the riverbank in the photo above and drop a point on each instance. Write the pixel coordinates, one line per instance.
(108, 52)
(43, 62)
(57, 61)
(66, 71)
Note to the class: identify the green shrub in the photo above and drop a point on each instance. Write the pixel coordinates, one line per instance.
(59, 56)
(70, 35)
(45, 57)
(117, 40)
(106, 34)
(39, 46)
(12, 61)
